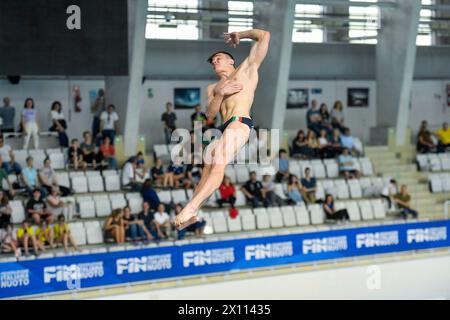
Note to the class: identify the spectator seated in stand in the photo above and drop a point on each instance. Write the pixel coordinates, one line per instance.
(309, 187)
(114, 228)
(5, 210)
(129, 180)
(330, 211)
(337, 117)
(75, 155)
(269, 191)
(37, 209)
(198, 227)
(425, 143)
(148, 218)
(59, 124)
(62, 234)
(193, 175)
(347, 141)
(162, 222)
(157, 173)
(313, 145)
(8, 160)
(346, 165)
(135, 229)
(175, 175)
(443, 135)
(388, 193)
(30, 179)
(253, 191)
(314, 119)
(8, 240)
(90, 155)
(227, 193)
(26, 237)
(403, 201)
(4, 176)
(283, 167)
(109, 153)
(294, 190)
(142, 173)
(44, 234)
(335, 148)
(300, 148)
(55, 205)
(48, 179)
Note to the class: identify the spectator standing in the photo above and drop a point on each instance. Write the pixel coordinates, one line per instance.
(227, 192)
(309, 187)
(198, 115)
(149, 195)
(403, 200)
(59, 124)
(337, 116)
(253, 191)
(109, 123)
(8, 116)
(330, 211)
(169, 118)
(30, 126)
(313, 117)
(97, 108)
(8, 160)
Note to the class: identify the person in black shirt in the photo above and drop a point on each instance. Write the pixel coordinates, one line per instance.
(76, 155)
(134, 227)
(168, 118)
(147, 217)
(198, 115)
(37, 209)
(253, 190)
(157, 173)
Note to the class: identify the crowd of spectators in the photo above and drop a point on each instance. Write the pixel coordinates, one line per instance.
(428, 141)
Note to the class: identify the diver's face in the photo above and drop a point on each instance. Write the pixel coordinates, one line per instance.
(221, 61)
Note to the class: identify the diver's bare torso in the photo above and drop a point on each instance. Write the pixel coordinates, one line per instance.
(240, 103)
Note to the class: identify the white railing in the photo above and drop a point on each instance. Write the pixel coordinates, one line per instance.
(447, 206)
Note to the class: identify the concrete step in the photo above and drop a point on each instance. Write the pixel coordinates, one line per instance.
(376, 149)
(386, 162)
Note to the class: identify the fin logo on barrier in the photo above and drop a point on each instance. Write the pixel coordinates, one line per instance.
(323, 245)
(13, 279)
(426, 234)
(144, 264)
(200, 258)
(377, 239)
(65, 273)
(269, 250)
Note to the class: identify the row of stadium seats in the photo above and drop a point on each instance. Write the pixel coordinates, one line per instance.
(439, 182)
(56, 155)
(434, 161)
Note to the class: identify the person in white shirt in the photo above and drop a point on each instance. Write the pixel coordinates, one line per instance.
(7, 155)
(109, 125)
(129, 175)
(162, 221)
(389, 191)
(59, 124)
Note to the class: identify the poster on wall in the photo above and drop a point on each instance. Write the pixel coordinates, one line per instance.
(358, 97)
(186, 98)
(298, 98)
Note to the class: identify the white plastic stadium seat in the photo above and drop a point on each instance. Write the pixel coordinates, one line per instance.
(57, 159)
(20, 156)
(18, 211)
(379, 211)
(234, 225)
(445, 178)
(240, 198)
(229, 171)
(422, 160)
(342, 189)
(366, 167)
(242, 174)
(117, 201)
(353, 210)
(318, 169)
(435, 162)
(112, 182)
(63, 179)
(332, 169)
(164, 196)
(366, 209)
(330, 188)
(262, 220)
(294, 168)
(355, 189)
(78, 233)
(288, 216)
(95, 183)
(445, 161)
(94, 232)
(248, 222)
(161, 150)
(102, 206)
(38, 157)
(275, 218)
(317, 214)
(135, 204)
(279, 191)
(79, 184)
(86, 208)
(435, 183)
(219, 223)
(179, 196)
(302, 215)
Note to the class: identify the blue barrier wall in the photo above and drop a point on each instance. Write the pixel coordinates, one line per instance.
(86, 271)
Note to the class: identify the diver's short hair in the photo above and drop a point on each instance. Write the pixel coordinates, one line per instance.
(215, 53)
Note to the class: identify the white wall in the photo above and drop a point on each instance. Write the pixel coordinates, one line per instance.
(44, 92)
(413, 279)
